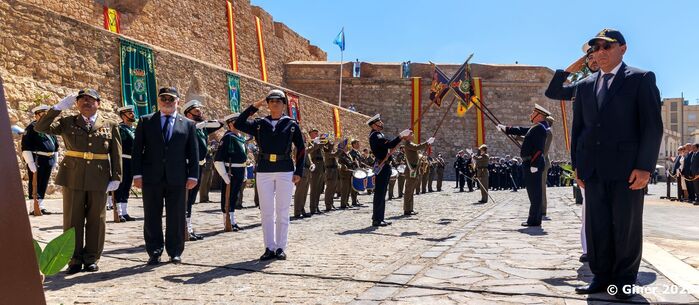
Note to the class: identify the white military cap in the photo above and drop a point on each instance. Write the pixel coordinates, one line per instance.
(191, 104)
(541, 110)
(231, 117)
(374, 119)
(125, 108)
(40, 108)
(483, 146)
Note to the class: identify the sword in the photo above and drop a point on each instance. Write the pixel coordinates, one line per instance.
(186, 200)
(114, 206)
(481, 187)
(227, 226)
(35, 192)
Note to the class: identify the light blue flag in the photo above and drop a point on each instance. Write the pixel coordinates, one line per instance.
(340, 39)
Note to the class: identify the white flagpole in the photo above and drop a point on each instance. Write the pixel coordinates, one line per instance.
(339, 104)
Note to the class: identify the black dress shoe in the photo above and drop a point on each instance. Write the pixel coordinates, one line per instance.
(128, 218)
(91, 267)
(122, 219)
(526, 224)
(343, 207)
(45, 212)
(380, 224)
(236, 228)
(410, 213)
(594, 287)
(583, 258)
(153, 260)
(109, 208)
(195, 236)
(306, 214)
(296, 217)
(280, 254)
(75, 268)
(176, 260)
(269, 254)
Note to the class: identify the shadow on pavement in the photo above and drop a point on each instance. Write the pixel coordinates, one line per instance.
(62, 280)
(218, 272)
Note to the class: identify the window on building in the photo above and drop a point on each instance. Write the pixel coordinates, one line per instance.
(673, 118)
(673, 106)
(673, 127)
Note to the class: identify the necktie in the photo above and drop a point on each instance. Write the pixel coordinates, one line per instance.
(603, 91)
(166, 128)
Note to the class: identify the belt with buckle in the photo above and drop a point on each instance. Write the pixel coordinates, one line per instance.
(125, 156)
(235, 164)
(43, 153)
(86, 155)
(274, 157)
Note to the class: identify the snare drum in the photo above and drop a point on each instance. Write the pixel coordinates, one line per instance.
(359, 180)
(401, 169)
(394, 174)
(370, 179)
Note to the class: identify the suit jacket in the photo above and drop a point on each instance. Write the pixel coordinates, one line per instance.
(689, 160)
(159, 162)
(102, 138)
(625, 133)
(558, 89)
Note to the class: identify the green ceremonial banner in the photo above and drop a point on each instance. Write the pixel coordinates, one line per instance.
(234, 92)
(138, 87)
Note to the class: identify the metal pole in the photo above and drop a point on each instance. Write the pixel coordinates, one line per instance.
(339, 103)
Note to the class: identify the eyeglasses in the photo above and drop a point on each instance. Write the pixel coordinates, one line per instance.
(167, 98)
(606, 46)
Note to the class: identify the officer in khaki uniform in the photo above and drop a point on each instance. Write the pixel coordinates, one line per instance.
(412, 172)
(440, 164)
(482, 160)
(317, 170)
(301, 192)
(424, 172)
(347, 166)
(91, 168)
(400, 160)
(331, 174)
(358, 163)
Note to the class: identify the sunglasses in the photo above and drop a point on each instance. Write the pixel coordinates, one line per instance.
(606, 46)
(167, 98)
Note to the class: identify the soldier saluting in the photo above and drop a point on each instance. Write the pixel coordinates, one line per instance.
(39, 151)
(90, 169)
(127, 133)
(532, 157)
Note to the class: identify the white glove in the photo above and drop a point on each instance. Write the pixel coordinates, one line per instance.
(316, 140)
(405, 133)
(66, 103)
(533, 169)
(221, 170)
(501, 127)
(430, 140)
(113, 186)
(209, 124)
(469, 151)
(29, 159)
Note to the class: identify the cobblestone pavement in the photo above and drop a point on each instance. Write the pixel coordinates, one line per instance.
(453, 251)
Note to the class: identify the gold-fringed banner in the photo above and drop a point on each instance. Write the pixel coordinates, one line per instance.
(480, 118)
(231, 35)
(111, 20)
(415, 109)
(261, 47)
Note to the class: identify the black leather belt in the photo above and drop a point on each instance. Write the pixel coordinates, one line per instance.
(274, 157)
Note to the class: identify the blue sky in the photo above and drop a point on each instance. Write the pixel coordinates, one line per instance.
(661, 35)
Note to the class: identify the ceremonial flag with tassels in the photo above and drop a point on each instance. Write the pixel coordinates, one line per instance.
(336, 123)
(439, 86)
(111, 20)
(463, 107)
(415, 109)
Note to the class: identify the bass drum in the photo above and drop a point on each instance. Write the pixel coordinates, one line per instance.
(359, 180)
(371, 179)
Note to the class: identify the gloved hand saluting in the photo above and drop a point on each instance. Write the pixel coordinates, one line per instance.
(66, 103)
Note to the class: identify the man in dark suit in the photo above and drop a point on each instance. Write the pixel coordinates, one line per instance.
(687, 171)
(694, 171)
(617, 129)
(165, 163)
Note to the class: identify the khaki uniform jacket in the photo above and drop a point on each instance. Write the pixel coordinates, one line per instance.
(411, 153)
(482, 165)
(103, 138)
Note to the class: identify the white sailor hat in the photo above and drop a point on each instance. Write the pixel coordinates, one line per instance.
(541, 110)
(276, 94)
(190, 105)
(125, 108)
(374, 119)
(40, 108)
(231, 117)
(483, 146)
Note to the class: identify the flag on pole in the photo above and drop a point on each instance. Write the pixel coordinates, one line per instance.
(564, 116)
(480, 117)
(415, 109)
(439, 86)
(340, 39)
(261, 47)
(231, 36)
(336, 123)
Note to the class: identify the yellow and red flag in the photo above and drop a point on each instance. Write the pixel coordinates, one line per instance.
(336, 123)
(480, 118)
(415, 109)
(231, 35)
(111, 20)
(261, 47)
(564, 116)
